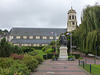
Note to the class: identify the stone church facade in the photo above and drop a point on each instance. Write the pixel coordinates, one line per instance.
(40, 36)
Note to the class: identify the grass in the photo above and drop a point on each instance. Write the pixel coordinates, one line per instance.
(40, 53)
(95, 69)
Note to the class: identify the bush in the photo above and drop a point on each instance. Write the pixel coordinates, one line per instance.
(49, 56)
(19, 68)
(39, 59)
(43, 49)
(31, 62)
(6, 62)
(27, 49)
(16, 56)
(44, 56)
(9, 67)
(7, 48)
(76, 55)
(33, 53)
(49, 51)
(71, 57)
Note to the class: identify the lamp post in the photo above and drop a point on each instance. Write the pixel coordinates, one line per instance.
(55, 43)
(70, 42)
(96, 49)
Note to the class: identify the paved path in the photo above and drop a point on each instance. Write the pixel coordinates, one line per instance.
(50, 67)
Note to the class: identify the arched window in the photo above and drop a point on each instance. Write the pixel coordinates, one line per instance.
(72, 16)
(73, 23)
(69, 17)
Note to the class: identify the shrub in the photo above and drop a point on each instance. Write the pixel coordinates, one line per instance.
(33, 53)
(16, 56)
(49, 56)
(5, 71)
(27, 49)
(19, 68)
(76, 55)
(49, 51)
(71, 57)
(6, 62)
(43, 49)
(39, 59)
(44, 56)
(31, 62)
(7, 48)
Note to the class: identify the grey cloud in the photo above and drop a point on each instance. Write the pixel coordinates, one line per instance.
(38, 13)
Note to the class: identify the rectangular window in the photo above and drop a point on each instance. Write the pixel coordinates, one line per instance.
(37, 37)
(51, 37)
(26, 44)
(57, 37)
(24, 37)
(17, 37)
(16, 44)
(31, 37)
(44, 44)
(36, 44)
(44, 37)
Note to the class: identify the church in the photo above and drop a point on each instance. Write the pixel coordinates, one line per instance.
(41, 36)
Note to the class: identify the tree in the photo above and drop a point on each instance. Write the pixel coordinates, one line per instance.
(87, 35)
(4, 48)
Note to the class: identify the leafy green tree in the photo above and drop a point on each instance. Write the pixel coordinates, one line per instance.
(87, 35)
(4, 48)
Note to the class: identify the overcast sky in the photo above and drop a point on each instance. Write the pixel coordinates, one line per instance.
(39, 13)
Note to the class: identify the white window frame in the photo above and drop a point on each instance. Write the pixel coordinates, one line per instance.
(57, 37)
(51, 37)
(44, 44)
(36, 44)
(17, 37)
(24, 37)
(44, 37)
(31, 37)
(37, 37)
(16, 44)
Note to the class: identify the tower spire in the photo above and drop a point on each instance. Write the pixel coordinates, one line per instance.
(71, 7)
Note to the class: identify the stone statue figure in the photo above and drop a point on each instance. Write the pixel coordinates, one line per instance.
(63, 40)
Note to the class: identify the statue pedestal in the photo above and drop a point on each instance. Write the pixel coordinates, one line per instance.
(63, 53)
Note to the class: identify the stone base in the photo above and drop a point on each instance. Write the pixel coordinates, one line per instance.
(63, 53)
(63, 57)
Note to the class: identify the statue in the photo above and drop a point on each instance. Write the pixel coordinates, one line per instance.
(63, 40)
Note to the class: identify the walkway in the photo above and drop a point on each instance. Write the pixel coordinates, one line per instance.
(50, 67)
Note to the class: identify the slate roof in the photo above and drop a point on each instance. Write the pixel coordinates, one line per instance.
(36, 31)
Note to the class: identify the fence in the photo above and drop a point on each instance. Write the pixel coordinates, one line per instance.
(93, 68)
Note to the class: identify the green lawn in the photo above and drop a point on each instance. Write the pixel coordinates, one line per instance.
(95, 69)
(40, 53)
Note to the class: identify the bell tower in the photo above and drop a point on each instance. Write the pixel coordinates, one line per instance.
(72, 21)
